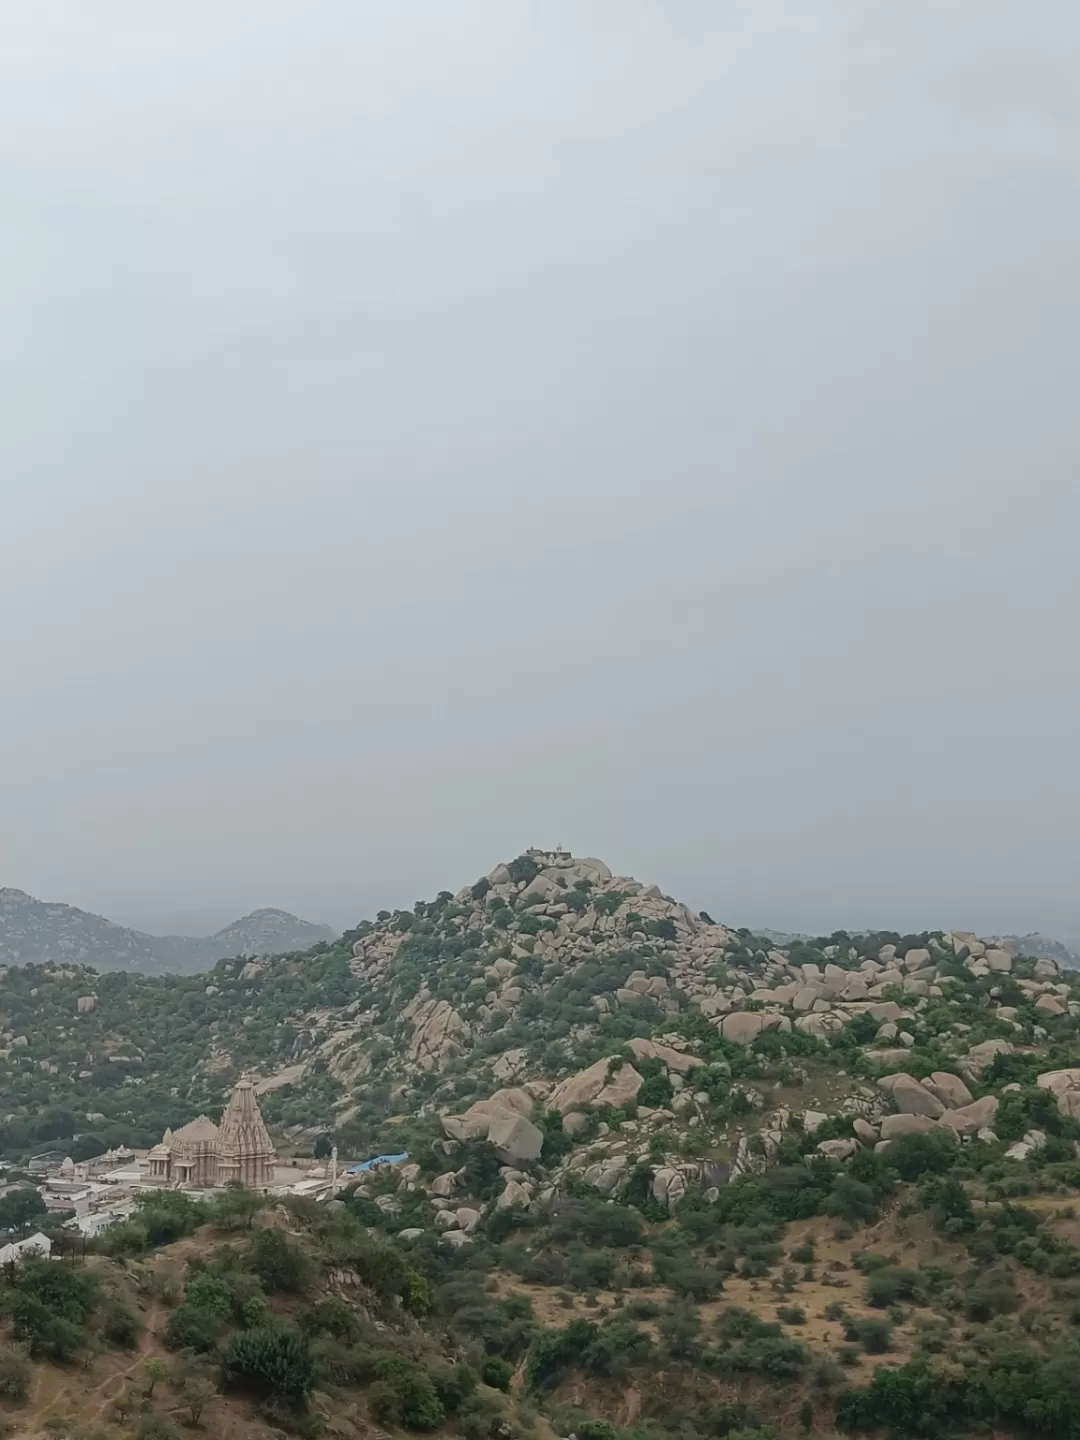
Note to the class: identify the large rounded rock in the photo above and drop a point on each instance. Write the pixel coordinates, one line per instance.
(972, 1118)
(949, 1089)
(893, 1126)
(1064, 1085)
(516, 1140)
(1051, 1005)
(910, 1097)
(743, 1027)
(594, 1087)
(514, 1197)
(864, 1131)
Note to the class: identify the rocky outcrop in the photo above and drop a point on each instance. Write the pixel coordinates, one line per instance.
(438, 1031)
(1064, 1085)
(600, 1084)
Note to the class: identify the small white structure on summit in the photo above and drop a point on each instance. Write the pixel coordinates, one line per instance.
(205, 1156)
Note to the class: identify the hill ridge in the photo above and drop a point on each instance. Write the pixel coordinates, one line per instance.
(34, 931)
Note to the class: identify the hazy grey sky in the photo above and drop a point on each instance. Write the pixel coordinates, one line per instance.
(433, 427)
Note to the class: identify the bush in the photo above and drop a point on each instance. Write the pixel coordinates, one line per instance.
(279, 1265)
(15, 1374)
(497, 1372)
(121, 1327)
(479, 1417)
(873, 1334)
(191, 1329)
(791, 1314)
(891, 1283)
(273, 1360)
(210, 1294)
(155, 1427)
(595, 1430)
(418, 1402)
(383, 1403)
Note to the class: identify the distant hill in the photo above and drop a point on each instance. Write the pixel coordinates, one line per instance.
(34, 932)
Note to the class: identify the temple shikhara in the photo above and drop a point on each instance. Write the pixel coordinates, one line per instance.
(204, 1156)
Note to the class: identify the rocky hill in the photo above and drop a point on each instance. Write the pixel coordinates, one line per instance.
(680, 1178)
(34, 932)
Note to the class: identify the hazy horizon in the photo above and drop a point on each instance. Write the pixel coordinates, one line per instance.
(439, 428)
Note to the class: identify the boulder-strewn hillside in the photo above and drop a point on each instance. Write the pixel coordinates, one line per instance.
(682, 1177)
(34, 932)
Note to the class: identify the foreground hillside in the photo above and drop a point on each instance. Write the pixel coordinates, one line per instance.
(684, 1180)
(35, 932)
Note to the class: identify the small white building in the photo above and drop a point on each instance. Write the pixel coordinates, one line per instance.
(37, 1244)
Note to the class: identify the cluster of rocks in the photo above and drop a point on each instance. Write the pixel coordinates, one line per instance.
(703, 964)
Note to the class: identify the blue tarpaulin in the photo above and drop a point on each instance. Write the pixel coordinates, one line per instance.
(376, 1161)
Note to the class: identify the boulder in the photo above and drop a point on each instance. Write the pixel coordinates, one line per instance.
(916, 959)
(574, 1123)
(444, 1185)
(837, 1149)
(1064, 1085)
(438, 1031)
(979, 1115)
(477, 1121)
(806, 995)
(516, 1140)
(672, 1059)
(467, 1218)
(819, 1025)
(999, 960)
(910, 1097)
(893, 1056)
(593, 1087)
(514, 1197)
(893, 1126)
(609, 1176)
(813, 1120)
(949, 1089)
(980, 1057)
(743, 1027)
(864, 1131)
(668, 1188)
(1051, 1005)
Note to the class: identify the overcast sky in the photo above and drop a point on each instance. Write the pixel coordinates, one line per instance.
(436, 427)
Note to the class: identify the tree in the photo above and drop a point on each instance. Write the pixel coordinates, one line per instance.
(236, 1208)
(279, 1265)
(322, 1147)
(20, 1209)
(154, 1370)
(195, 1392)
(191, 1329)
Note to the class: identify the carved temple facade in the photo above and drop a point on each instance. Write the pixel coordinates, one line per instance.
(203, 1156)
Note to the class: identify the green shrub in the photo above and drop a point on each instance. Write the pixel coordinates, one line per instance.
(279, 1265)
(121, 1327)
(191, 1329)
(418, 1402)
(891, 1283)
(15, 1374)
(271, 1359)
(873, 1334)
(595, 1430)
(479, 1417)
(497, 1372)
(210, 1294)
